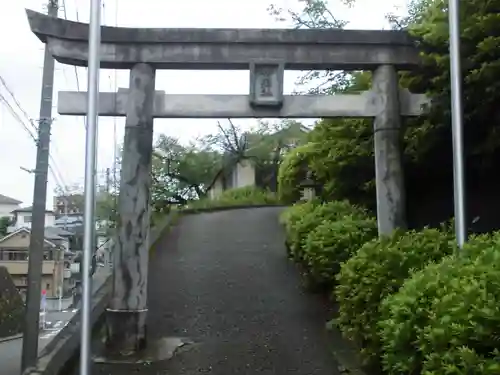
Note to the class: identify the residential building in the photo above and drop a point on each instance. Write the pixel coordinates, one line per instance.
(23, 218)
(7, 205)
(56, 266)
(68, 204)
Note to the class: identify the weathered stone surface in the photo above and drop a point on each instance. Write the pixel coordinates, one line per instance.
(226, 48)
(43, 25)
(129, 297)
(238, 106)
(391, 205)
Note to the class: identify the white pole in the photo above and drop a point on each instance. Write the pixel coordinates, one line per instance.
(60, 298)
(44, 310)
(457, 123)
(90, 166)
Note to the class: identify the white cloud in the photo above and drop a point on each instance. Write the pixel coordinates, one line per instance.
(21, 67)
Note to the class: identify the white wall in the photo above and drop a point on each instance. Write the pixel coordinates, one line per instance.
(24, 220)
(216, 189)
(245, 174)
(6, 209)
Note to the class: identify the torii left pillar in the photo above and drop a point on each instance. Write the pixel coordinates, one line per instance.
(126, 315)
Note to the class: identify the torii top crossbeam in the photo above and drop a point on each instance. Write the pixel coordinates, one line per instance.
(230, 49)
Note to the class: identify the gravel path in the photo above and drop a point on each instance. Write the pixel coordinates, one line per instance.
(222, 279)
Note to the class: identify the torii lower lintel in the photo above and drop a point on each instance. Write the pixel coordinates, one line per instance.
(367, 104)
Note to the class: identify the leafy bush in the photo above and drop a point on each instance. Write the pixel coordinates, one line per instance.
(294, 213)
(445, 320)
(244, 196)
(333, 242)
(332, 211)
(377, 270)
(11, 306)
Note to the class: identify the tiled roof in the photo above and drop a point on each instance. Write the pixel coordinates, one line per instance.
(30, 208)
(8, 200)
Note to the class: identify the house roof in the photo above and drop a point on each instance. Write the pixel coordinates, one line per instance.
(56, 233)
(26, 230)
(8, 200)
(29, 209)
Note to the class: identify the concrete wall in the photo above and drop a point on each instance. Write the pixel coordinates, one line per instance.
(20, 267)
(216, 190)
(48, 284)
(245, 174)
(6, 209)
(52, 304)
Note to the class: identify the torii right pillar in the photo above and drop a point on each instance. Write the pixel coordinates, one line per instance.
(389, 174)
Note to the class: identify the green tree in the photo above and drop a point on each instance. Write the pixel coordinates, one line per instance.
(344, 163)
(181, 173)
(5, 222)
(264, 144)
(315, 14)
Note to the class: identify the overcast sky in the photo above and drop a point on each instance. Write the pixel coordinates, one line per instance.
(21, 67)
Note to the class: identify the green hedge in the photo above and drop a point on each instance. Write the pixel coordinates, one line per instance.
(333, 242)
(248, 195)
(332, 211)
(377, 270)
(291, 216)
(446, 318)
(410, 303)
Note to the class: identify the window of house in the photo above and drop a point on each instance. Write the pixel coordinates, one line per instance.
(17, 255)
(27, 218)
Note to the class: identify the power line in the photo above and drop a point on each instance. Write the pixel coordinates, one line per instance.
(11, 93)
(53, 168)
(18, 119)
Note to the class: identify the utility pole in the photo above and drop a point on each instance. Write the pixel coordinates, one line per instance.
(33, 296)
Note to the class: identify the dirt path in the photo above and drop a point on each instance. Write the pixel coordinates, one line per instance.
(222, 279)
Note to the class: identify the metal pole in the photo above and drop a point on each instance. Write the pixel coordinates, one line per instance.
(32, 311)
(90, 166)
(457, 123)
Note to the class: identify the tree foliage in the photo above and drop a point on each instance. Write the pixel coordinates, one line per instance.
(343, 161)
(5, 222)
(184, 172)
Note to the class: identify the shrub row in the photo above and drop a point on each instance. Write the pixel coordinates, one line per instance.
(411, 302)
(321, 236)
(244, 196)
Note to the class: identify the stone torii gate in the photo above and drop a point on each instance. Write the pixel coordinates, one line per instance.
(266, 53)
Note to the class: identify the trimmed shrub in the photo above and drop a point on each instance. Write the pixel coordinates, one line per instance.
(445, 320)
(332, 211)
(244, 196)
(377, 270)
(333, 242)
(293, 214)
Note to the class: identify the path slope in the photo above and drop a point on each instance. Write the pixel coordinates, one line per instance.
(222, 279)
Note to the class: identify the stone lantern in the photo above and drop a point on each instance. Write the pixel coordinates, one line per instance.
(308, 188)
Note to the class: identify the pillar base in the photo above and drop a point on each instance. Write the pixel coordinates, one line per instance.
(126, 332)
(156, 351)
